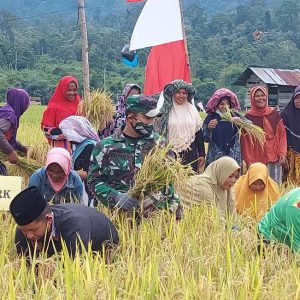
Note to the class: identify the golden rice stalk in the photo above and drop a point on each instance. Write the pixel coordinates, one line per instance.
(98, 109)
(159, 170)
(39, 152)
(253, 131)
(26, 164)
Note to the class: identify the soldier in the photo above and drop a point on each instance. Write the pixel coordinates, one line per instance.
(116, 159)
(45, 227)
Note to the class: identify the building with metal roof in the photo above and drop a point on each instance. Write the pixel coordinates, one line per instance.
(280, 83)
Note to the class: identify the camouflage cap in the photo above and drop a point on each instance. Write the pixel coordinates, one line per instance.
(142, 104)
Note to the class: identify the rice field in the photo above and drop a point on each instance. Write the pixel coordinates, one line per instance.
(196, 258)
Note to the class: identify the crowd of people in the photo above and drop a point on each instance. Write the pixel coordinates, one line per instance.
(87, 167)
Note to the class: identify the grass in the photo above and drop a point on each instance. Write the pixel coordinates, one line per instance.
(161, 259)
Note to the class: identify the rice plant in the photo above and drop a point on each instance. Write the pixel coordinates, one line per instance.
(246, 128)
(196, 258)
(98, 109)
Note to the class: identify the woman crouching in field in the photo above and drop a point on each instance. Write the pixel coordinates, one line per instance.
(82, 137)
(255, 192)
(214, 186)
(56, 181)
(281, 224)
(17, 103)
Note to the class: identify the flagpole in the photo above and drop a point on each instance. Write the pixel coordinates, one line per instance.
(184, 36)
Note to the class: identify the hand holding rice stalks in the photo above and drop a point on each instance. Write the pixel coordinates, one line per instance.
(98, 109)
(159, 170)
(26, 165)
(253, 131)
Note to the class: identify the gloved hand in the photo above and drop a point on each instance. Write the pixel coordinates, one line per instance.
(126, 201)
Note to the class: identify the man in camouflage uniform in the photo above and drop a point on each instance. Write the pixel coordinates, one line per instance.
(116, 159)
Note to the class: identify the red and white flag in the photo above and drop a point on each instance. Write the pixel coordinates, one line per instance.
(160, 26)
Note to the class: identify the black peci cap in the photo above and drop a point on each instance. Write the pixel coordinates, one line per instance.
(27, 206)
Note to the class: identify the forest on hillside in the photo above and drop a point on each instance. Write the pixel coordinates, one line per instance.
(40, 42)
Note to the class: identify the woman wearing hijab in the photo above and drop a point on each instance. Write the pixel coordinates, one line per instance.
(281, 224)
(291, 120)
(273, 153)
(63, 103)
(17, 103)
(119, 117)
(82, 137)
(181, 124)
(222, 136)
(56, 181)
(255, 192)
(213, 187)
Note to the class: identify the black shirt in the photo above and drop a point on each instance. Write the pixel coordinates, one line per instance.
(70, 222)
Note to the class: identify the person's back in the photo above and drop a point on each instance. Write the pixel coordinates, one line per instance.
(46, 227)
(281, 223)
(86, 221)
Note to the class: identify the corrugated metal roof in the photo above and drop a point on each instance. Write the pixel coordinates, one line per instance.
(272, 76)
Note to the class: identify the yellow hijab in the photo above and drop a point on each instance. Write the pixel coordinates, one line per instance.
(255, 204)
(207, 187)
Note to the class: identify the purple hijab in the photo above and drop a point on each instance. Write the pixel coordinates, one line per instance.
(17, 102)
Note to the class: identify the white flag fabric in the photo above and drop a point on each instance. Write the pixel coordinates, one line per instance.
(159, 23)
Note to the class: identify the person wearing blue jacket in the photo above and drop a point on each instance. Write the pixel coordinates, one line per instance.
(56, 181)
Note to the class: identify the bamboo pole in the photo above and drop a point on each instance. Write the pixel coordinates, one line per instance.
(85, 50)
(184, 36)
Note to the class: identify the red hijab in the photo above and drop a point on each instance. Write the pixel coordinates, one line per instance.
(263, 113)
(255, 111)
(59, 107)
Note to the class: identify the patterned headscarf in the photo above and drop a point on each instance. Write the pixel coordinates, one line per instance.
(119, 117)
(77, 129)
(213, 102)
(162, 123)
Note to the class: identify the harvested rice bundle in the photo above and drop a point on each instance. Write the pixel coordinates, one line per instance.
(26, 164)
(39, 152)
(98, 109)
(255, 132)
(158, 171)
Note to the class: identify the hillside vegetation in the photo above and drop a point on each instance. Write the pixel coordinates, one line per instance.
(40, 42)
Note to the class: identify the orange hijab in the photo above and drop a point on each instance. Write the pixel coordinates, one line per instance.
(251, 203)
(255, 111)
(59, 107)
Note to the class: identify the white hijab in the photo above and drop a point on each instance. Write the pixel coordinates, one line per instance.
(184, 122)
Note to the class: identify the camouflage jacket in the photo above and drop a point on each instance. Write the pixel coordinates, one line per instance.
(114, 163)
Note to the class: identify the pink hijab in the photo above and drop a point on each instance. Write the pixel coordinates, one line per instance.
(61, 157)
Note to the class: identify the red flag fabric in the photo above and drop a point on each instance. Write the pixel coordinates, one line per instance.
(166, 63)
